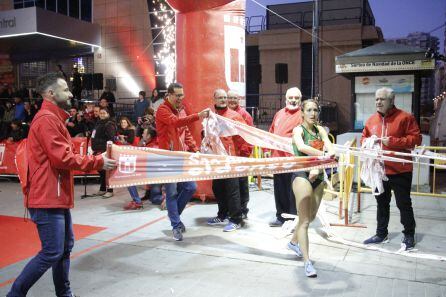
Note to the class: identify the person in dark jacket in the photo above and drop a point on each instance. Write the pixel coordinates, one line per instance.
(108, 95)
(140, 107)
(126, 131)
(30, 111)
(104, 131)
(17, 131)
(80, 126)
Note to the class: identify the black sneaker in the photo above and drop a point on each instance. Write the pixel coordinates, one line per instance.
(376, 239)
(182, 227)
(409, 242)
(177, 234)
(244, 216)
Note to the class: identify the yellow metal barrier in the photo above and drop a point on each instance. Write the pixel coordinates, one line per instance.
(346, 173)
(435, 149)
(257, 153)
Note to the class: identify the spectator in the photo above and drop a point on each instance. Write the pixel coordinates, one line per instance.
(126, 135)
(108, 95)
(148, 120)
(4, 91)
(126, 131)
(23, 92)
(104, 131)
(103, 103)
(80, 128)
(17, 131)
(8, 116)
(61, 72)
(70, 123)
(30, 112)
(19, 109)
(140, 107)
(76, 85)
(156, 99)
(92, 117)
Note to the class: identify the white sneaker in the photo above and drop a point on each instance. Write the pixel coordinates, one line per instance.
(295, 248)
(107, 195)
(309, 269)
(100, 193)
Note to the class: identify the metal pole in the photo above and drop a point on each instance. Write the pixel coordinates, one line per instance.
(315, 51)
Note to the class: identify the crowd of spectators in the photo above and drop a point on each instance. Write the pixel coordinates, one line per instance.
(19, 106)
(94, 119)
(17, 111)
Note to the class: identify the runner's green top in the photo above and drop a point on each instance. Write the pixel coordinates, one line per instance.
(307, 138)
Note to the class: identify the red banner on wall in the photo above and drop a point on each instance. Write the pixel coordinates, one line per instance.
(8, 150)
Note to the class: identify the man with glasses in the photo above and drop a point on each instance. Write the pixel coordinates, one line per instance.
(169, 127)
(284, 121)
(227, 191)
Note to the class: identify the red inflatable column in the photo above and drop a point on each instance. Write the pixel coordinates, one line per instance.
(210, 52)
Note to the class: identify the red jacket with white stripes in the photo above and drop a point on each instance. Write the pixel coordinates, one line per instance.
(170, 127)
(403, 132)
(51, 159)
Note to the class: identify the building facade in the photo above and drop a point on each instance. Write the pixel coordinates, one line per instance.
(105, 37)
(424, 41)
(344, 26)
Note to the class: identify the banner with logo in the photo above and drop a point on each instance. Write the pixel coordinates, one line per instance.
(141, 165)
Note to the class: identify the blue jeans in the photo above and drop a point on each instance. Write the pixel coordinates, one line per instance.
(134, 194)
(56, 236)
(156, 194)
(177, 196)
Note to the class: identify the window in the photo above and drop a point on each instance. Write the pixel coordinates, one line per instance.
(29, 71)
(86, 10)
(74, 9)
(62, 7)
(40, 3)
(51, 5)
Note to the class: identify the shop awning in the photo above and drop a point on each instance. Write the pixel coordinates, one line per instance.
(34, 33)
(385, 56)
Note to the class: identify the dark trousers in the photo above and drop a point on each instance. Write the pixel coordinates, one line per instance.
(102, 181)
(283, 195)
(56, 236)
(400, 184)
(227, 193)
(243, 183)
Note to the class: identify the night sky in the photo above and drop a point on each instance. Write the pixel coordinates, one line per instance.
(396, 18)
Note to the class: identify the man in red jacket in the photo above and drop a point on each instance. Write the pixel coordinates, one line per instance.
(234, 104)
(170, 127)
(227, 191)
(49, 193)
(284, 121)
(397, 131)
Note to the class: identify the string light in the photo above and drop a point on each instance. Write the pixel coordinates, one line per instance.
(165, 56)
